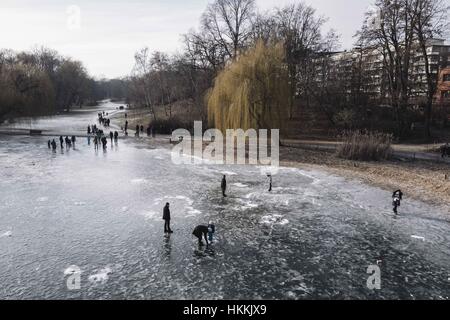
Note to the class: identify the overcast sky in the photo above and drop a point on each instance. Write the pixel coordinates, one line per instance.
(111, 31)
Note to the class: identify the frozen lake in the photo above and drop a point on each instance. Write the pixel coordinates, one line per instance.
(313, 237)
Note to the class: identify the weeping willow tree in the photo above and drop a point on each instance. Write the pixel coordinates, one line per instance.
(251, 92)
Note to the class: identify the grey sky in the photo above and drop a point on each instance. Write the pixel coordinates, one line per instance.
(112, 30)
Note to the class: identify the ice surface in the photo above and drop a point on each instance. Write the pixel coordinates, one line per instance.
(313, 236)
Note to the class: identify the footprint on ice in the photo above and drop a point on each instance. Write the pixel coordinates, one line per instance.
(101, 277)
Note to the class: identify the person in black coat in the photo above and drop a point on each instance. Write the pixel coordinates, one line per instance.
(166, 218)
(223, 185)
(397, 196)
(200, 231)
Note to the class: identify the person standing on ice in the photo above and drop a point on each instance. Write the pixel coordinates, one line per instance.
(396, 198)
(269, 177)
(54, 145)
(166, 218)
(223, 185)
(61, 141)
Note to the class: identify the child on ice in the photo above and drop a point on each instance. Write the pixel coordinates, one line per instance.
(211, 230)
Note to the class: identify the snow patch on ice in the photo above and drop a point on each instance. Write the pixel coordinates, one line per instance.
(139, 181)
(229, 173)
(149, 214)
(6, 234)
(42, 199)
(240, 185)
(274, 219)
(101, 277)
(418, 237)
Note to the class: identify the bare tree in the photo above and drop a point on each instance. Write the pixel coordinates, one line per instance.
(300, 28)
(431, 20)
(228, 23)
(390, 29)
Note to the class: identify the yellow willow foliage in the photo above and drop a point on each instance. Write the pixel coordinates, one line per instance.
(251, 92)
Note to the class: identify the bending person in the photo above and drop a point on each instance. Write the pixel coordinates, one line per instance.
(200, 231)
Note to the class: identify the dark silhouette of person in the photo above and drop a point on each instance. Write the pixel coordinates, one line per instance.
(142, 128)
(96, 142)
(73, 140)
(54, 144)
(200, 231)
(223, 185)
(166, 218)
(397, 196)
(61, 141)
(89, 130)
(270, 182)
(49, 143)
(137, 130)
(116, 136)
(104, 142)
(111, 136)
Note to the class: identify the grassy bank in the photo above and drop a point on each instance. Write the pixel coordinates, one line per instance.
(422, 180)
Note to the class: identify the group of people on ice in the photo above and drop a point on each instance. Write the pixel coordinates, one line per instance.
(68, 141)
(102, 120)
(202, 231)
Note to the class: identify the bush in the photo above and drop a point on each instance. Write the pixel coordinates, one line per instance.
(166, 126)
(365, 146)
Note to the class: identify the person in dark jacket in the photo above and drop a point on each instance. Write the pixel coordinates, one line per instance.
(223, 185)
(396, 198)
(73, 141)
(166, 218)
(200, 231)
(269, 176)
(61, 141)
(111, 136)
(54, 145)
(49, 144)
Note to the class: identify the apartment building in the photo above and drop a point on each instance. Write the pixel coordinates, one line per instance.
(364, 69)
